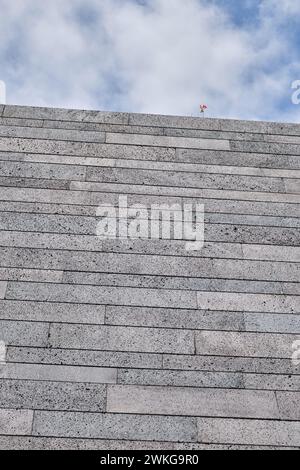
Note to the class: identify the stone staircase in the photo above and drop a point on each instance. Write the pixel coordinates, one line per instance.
(141, 344)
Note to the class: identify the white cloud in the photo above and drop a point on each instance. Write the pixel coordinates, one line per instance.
(164, 58)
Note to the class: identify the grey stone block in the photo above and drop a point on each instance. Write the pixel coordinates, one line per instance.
(51, 312)
(43, 170)
(52, 396)
(275, 253)
(292, 186)
(129, 339)
(102, 127)
(288, 139)
(272, 382)
(230, 364)
(6, 121)
(68, 160)
(114, 426)
(44, 208)
(48, 223)
(180, 378)
(245, 344)
(25, 112)
(174, 318)
(241, 159)
(212, 134)
(38, 183)
(247, 207)
(146, 140)
(3, 286)
(84, 357)
(263, 323)
(260, 147)
(288, 404)
(191, 402)
(245, 219)
(52, 134)
(43, 195)
(30, 275)
(17, 422)
(249, 432)
(248, 302)
(24, 333)
(57, 373)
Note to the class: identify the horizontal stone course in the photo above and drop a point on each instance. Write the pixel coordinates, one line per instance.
(177, 142)
(259, 365)
(198, 193)
(59, 202)
(89, 243)
(25, 112)
(48, 443)
(149, 265)
(150, 165)
(189, 180)
(225, 230)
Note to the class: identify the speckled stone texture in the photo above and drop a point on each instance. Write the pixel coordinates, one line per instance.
(141, 344)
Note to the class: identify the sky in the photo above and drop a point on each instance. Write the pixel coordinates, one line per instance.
(153, 56)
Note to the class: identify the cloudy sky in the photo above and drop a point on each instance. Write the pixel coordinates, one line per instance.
(156, 56)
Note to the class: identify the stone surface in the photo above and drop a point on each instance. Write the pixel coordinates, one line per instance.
(249, 432)
(245, 344)
(3, 286)
(58, 373)
(17, 422)
(141, 344)
(192, 402)
(51, 312)
(52, 395)
(115, 426)
(111, 338)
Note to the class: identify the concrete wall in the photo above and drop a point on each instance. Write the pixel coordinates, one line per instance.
(120, 344)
